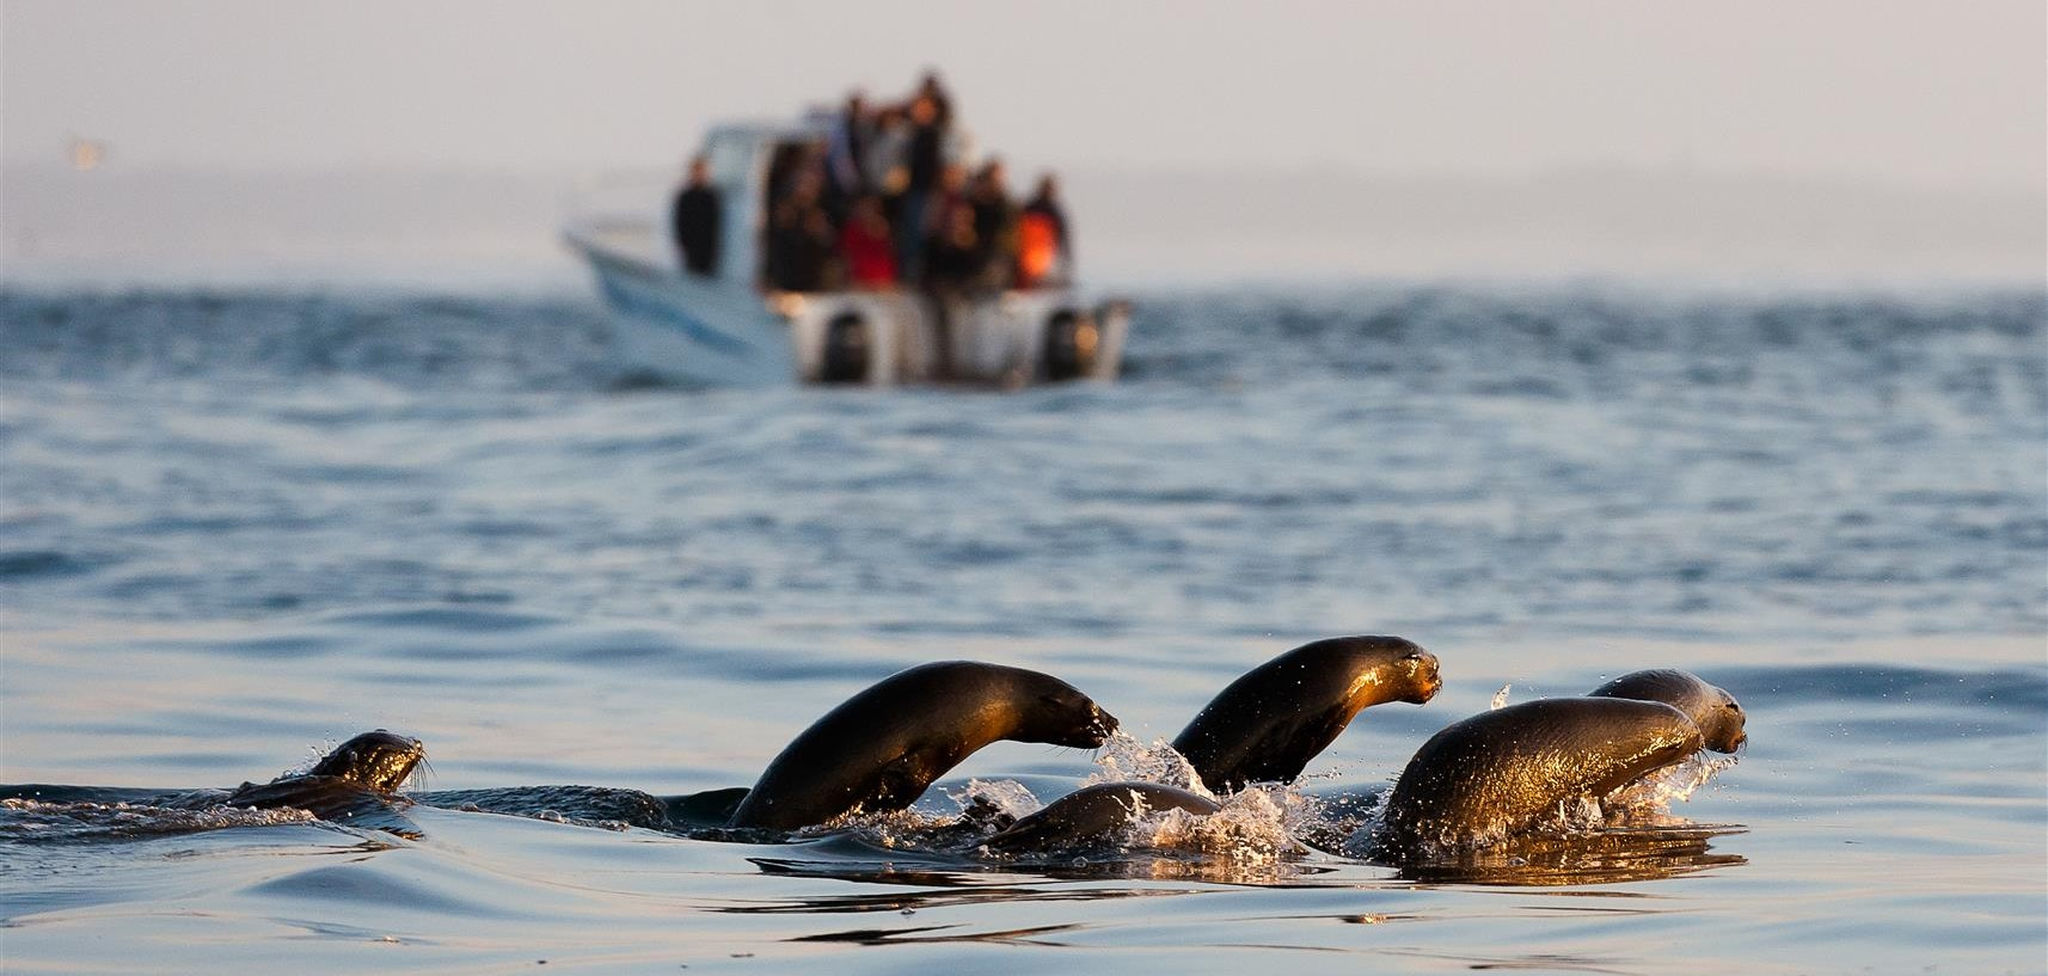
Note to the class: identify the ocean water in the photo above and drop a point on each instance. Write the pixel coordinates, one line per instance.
(239, 526)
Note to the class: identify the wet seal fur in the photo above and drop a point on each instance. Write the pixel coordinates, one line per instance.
(881, 748)
(1497, 773)
(1269, 723)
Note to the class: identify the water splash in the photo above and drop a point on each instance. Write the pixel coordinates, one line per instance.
(1252, 828)
(36, 820)
(1001, 798)
(1124, 759)
(1500, 698)
(1647, 801)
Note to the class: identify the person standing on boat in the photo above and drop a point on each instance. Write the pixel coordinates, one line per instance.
(865, 247)
(995, 227)
(924, 162)
(930, 87)
(1043, 255)
(803, 251)
(846, 152)
(694, 221)
(950, 258)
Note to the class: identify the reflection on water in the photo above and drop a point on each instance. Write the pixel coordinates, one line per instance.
(930, 933)
(1603, 857)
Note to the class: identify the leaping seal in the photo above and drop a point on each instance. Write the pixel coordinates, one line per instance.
(881, 748)
(1498, 773)
(1269, 723)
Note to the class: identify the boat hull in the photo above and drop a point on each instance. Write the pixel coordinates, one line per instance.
(670, 326)
(711, 332)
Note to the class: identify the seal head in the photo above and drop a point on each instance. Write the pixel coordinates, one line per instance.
(881, 748)
(1269, 723)
(380, 761)
(1714, 710)
(355, 784)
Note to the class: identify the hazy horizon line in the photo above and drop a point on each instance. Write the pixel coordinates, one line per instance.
(1672, 171)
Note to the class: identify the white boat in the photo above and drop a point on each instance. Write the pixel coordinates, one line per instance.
(728, 329)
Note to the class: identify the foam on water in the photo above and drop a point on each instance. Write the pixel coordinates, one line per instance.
(37, 821)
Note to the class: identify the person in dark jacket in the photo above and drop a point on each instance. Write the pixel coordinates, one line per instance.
(802, 246)
(694, 221)
(995, 226)
(924, 166)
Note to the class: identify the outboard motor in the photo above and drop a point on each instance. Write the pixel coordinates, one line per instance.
(847, 350)
(1071, 341)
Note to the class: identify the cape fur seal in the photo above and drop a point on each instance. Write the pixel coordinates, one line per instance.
(1269, 723)
(355, 784)
(1497, 773)
(881, 748)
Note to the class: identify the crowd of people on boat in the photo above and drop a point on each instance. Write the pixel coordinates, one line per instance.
(892, 196)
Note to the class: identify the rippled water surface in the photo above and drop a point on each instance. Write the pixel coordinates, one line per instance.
(239, 527)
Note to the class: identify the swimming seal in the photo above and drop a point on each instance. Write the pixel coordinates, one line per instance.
(1714, 710)
(1497, 773)
(356, 784)
(1268, 724)
(1093, 812)
(881, 748)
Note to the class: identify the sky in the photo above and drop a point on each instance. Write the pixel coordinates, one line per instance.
(1940, 95)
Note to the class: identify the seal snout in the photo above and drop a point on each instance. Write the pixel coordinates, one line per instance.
(1100, 726)
(1427, 679)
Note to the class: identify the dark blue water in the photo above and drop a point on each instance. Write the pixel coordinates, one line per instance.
(238, 527)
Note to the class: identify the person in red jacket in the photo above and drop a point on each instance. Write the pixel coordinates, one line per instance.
(866, 247)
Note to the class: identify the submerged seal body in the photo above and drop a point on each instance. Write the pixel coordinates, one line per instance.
(1269, 723)
(881, 748)
(1093, 812)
